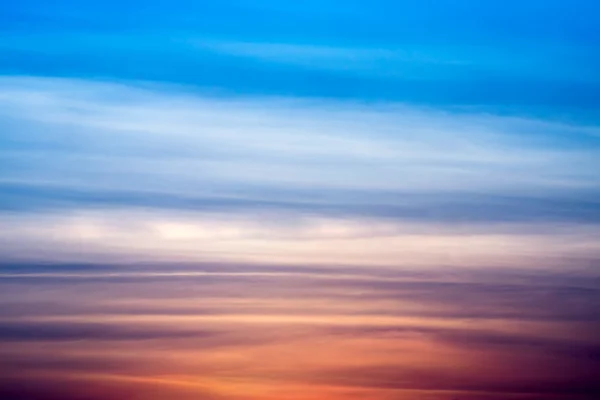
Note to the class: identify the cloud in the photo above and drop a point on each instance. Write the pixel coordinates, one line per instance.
(91, 388)
(288, 238)
(118, 133)
(394, 378)
(567, 296)
(39, 331)
(413, 61)
(182, 139)
(125, 170)
(469, 332)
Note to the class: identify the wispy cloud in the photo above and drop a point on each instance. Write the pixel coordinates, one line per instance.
(410, 333)
(87, 158)
(178, 139)
(278, 237)
(411, 61)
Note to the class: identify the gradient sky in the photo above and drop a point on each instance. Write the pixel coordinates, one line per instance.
(310, 200)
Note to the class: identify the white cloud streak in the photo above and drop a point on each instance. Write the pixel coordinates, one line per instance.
(120, 134)
(143, 235)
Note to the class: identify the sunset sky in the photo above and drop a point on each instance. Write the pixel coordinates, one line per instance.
(300, 200)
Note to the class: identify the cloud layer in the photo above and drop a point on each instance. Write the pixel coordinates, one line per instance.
(232, 332)
(141, 171)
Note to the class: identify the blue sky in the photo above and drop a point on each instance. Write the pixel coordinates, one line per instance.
(534, 57)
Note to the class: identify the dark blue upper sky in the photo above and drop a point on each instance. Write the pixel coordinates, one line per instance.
(518, 57)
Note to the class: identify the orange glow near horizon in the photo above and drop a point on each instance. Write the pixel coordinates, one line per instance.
(270, 336)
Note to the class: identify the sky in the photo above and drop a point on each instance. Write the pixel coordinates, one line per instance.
(315, 200)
